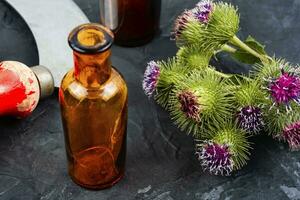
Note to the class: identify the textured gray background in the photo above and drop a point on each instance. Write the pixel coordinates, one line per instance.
(160, 160)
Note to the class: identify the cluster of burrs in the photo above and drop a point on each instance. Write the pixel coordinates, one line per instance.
(222, 110)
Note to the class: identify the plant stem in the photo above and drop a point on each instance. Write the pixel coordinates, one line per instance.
(236, 41)
(228, 48)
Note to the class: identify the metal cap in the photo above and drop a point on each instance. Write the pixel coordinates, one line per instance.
(45, 79)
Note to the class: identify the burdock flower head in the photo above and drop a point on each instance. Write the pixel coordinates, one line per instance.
(281, 84)
(189, 105)
(200, 99)
(181, 23)
(250, 119)
(215, 158)
(226, 150)
(203, 11)
(291, 134)
(284, 127)
(209, 25)
(162, 77)
(151, 78)
(285, 88)
(194, 57)
(248, 98)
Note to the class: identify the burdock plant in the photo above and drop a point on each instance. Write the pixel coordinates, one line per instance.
(281, 82)
(226, 150)
(249, 100)
(160, 78)
(284, 127)
(222, 110)
(199, 101)
(213, 26)
(193, 57)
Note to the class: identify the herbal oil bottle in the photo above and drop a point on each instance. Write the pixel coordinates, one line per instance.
(93, 99)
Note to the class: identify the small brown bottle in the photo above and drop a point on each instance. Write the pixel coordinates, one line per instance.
(134, 22)
(93, 99)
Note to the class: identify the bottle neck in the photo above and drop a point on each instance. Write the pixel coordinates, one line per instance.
(92, 70)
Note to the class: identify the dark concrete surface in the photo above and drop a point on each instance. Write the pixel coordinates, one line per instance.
(160, 161)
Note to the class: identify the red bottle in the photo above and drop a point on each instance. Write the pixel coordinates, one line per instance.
(21, 88)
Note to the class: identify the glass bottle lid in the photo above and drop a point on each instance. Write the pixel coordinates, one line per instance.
(90, 38)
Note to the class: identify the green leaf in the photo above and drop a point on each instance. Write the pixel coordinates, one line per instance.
(255, 45)
(245, 57)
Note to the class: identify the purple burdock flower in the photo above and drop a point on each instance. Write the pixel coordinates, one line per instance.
(250, 119)
(215, 158)
(203, 11)
(291, 134)
(285, 88)
(189, 105)
(181, 23)
(151, 77)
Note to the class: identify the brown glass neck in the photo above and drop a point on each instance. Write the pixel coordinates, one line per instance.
(92, 70)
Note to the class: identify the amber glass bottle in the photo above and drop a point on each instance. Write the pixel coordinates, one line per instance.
(134, 22)
(93, 99)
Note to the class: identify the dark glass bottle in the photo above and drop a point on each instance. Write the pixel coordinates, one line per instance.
(134, 22)
(93, 99)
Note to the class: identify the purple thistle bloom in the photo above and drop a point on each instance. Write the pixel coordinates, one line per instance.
(151, 77)
(291, 134)
(189, 105)
(250, 119)
(285, 88)
(203, 10)
(181, 22)
(215, 158)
